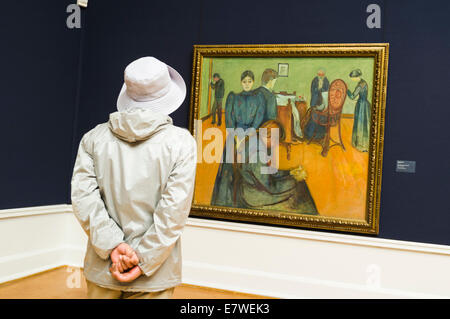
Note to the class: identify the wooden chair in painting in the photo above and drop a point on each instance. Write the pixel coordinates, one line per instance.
(331, 115)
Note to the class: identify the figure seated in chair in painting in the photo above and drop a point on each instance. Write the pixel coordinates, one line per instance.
(327, 115)
(313, 130)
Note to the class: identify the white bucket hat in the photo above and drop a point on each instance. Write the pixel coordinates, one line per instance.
(151, 84)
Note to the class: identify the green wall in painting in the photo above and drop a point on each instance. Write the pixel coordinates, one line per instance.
(301, 73)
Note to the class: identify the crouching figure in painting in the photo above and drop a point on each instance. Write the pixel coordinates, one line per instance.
(259, 187)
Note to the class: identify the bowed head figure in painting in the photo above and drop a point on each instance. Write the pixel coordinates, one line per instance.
(268, 80)
(244, 110)
(282, 190)
(319, 100)
(314, 131)
(319, 85)
(218, 85)
(361, 123)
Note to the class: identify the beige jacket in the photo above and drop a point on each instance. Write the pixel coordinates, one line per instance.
(133, 182)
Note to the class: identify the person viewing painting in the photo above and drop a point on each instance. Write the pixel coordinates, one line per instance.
(132, 188)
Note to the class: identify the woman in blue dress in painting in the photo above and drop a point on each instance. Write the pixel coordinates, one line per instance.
(243, 110)
(361, 123)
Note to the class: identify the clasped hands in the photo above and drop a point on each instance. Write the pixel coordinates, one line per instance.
(124, 267)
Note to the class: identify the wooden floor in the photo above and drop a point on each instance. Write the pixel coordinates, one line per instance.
(69, 283)
(337, 182)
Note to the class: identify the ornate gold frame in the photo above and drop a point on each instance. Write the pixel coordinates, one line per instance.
(380, 53)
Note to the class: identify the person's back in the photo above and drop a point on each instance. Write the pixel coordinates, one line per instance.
(133, 183)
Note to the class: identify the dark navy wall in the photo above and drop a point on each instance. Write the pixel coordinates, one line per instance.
(38, 84)
(120, 33)
(414, 207)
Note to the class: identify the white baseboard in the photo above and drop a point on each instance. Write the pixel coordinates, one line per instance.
(262, 260)
(287, 286)
(293, 263)
(30, 263)
(37, 239)
(26, 264)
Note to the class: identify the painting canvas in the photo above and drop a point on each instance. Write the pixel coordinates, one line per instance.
(290, 135)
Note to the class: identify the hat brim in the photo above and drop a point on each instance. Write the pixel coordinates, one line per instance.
(166, 104)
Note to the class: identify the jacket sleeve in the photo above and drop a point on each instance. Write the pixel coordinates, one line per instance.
(325, 85)
(355, 93)
(230, 121)
(260, 111)
(171, 212)
(272, 111)
(314, 86)
(88, 206)
(221, 89)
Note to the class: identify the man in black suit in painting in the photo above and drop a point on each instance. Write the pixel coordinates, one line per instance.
(218, 85)
(268, 79)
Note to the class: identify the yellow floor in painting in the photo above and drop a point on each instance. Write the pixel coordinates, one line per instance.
(337, 182)
(60, 283)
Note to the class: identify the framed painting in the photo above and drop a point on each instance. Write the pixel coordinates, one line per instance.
(290, 134)
(283, 69)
